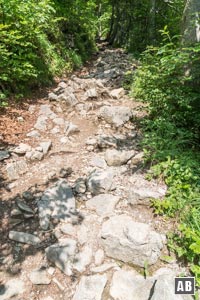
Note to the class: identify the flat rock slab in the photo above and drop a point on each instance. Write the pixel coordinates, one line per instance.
(22, 148)
(23, 237)
(57, 203)
(90, 288)
(130, 241)
(39, 277)
(103, 204)
(15, 169)
(117, 158)
(12, 288)
(100, 182)
(117, 93)
(141, 190)
(62, 254)
(129, 285)
(164, 289)
(46, 146)
(115, 115)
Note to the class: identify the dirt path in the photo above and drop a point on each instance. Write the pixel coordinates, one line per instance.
(75, 206)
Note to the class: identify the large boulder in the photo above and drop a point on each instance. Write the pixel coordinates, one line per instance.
(57, 203)
(115, 115)
(130, 241)
(117, 158)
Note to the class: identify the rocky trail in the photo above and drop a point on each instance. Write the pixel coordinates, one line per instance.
(75, 204)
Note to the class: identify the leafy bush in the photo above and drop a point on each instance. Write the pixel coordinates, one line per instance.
(34, 45)
(168, 80)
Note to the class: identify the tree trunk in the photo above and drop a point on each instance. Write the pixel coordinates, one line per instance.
(191, 22)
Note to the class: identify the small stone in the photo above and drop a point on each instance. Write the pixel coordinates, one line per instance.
(32, 109)
(45, 111)
(22, 149)
(100, 182)
(90, 148)
(59, 285)
(4, 155)
(12, 288)
(117, 158)
(15, 222)
(64, 140)
(68, 98)
(99, 257)
(23, 206)
(117, 93)
(46, 146)
(98, 162)
(65, 172)
(23, 237)
(105, 141)
(51, 271)
(20, 119)
(34, 155)
(52, 97)
(71, 129)
(16, 212)
(91, 142)
(27, 196)
(90, 287)
(80, 186)
(138, 158)
(91, 93)
(62, 85)
(39, 277)
(33, 133)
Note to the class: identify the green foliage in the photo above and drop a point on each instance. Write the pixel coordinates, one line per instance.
(168, 80)
(35, 45)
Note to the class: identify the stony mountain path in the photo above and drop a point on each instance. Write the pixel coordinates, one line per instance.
(78, 224)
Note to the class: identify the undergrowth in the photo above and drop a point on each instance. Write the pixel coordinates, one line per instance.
(41, 41)
(168, 80)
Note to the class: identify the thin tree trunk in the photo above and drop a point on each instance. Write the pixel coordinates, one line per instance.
(191, 22)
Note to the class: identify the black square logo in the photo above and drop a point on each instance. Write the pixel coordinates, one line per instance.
(185, 285)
